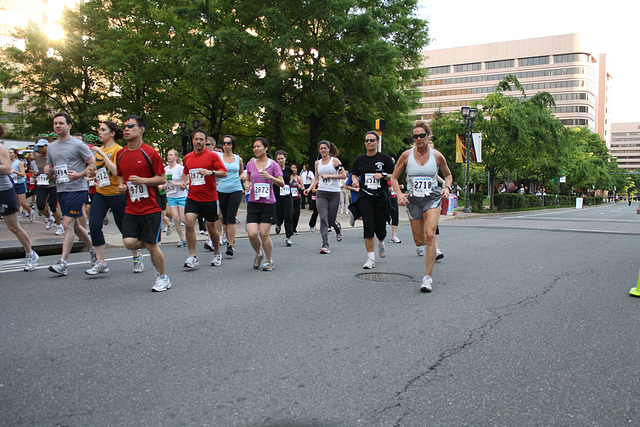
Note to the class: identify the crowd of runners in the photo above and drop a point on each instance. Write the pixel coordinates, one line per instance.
(147, 195)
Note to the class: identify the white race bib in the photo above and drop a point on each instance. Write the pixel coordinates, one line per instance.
(196, 177)
(62, 174)
(102, 177)
(370, 182)
(261, 190)
(91, 182)
(285, 190)
(43, 179)
(422, 186)
(137, 192)
(294, 191)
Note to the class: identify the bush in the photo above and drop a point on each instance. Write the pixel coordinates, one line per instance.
(511, 201)
(476, 201)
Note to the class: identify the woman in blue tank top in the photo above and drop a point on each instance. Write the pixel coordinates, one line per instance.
(424, 193)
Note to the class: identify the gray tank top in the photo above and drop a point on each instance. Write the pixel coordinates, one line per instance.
(421, 179)
(5, 182)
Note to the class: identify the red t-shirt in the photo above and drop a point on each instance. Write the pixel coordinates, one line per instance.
(144, 162)
(205, 192)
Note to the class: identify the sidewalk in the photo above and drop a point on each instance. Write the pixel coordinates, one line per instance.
(45, 242)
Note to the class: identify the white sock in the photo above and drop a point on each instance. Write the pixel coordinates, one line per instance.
(371, 255)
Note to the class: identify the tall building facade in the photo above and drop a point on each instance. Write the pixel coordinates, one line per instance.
(625, 144)
(561, 65)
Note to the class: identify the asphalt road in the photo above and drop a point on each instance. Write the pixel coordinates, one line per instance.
(529, 323)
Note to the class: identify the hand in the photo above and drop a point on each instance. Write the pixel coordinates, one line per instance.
(73, 175)
(135, 179)
(122, 188)
(264, 174)
(402, 199)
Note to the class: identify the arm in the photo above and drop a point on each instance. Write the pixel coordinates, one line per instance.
(5, 161)
(448, 178)
(152, 182)
(20, 172)
(91, 167)
(314, 182)
(107, 161)
(400, 165)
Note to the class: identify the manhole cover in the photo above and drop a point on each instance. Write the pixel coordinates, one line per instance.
(384, 277)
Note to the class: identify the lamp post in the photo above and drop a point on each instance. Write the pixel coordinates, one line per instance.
(468, 115)
(185, 138)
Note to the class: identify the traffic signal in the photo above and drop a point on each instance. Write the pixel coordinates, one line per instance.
(380, 125)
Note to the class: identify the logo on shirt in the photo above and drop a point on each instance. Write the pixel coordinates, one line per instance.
(379, 166)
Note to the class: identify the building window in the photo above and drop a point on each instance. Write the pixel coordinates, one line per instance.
(571, 57)
(507, 63)
(536, 60)
(467, 67)
(446, 69)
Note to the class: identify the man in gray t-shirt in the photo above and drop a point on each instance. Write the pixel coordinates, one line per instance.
(69, 160)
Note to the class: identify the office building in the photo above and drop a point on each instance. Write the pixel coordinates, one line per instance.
(561, 65)
(625, 144)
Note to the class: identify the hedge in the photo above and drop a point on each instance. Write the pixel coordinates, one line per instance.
(508, 201)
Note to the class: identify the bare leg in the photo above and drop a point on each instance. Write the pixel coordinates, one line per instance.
(267, 244)
(12, 224)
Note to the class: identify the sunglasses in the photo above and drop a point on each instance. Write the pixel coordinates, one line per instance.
(131, 125)
(369, 140)
(208, 144)
(227, 143)
(420, 135)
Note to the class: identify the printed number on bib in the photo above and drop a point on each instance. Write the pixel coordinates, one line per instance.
(102, 178)
(422, 186)
(370, 182)
(261, 190)
(43, 179)
(137, 192)
(62, 174)
(196, 177)
(285, 190)
(294, 191)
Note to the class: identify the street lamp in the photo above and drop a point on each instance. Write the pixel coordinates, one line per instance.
(468, 115)
(185, 138)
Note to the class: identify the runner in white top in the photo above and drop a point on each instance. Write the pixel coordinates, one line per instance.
(176, 196)
(424, 198)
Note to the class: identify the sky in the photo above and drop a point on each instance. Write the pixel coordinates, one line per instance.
(612, 25)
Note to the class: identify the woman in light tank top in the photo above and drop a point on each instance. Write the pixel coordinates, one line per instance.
(328, 173)
(424, 193)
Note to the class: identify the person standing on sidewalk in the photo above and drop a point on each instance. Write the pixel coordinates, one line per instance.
(107, 196)
(201, 168)
(9, 208)
(370, 173)
(46, 195)
(70, 160)
(425, 194)
(262, 175)
(328, 176)
(140, 172)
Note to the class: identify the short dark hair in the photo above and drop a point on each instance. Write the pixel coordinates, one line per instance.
(264, 141)
(67, 117)
(281, 153)
(139, 120)
(374, 133)
(202, 131)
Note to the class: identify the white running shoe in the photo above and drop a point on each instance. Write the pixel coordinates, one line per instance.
(98, 267)
(395, 239)
(48, 223)
(369, 264)
(192, 262)
(382, 250)
(257, 262)
(162, 284)
(439, 255)
(138, 265)
(420, 250)
(60, 230)
(32, 215)
(60, 268)
(427, 283)
(31, 261)
(216, 260)
(169, 230)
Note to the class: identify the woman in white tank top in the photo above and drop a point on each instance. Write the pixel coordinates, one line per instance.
(424, 193)
(328, 173)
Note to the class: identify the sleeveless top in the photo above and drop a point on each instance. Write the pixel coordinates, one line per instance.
(5, 182)
(230, 183)
(421, 179)
(15, 166)
(329, 184)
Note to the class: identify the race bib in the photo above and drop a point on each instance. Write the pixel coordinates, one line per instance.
(43, 179)
(137, 192)
(285, 190)
(92, 182)
(422, 186)
(294, 191)
(261, 190)
(370, 182)
(62, 174)
(102, 178)
(196, 177)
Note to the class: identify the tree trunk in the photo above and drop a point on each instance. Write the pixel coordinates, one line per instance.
(314, 138)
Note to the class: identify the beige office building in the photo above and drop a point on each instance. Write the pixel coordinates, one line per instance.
(625, 144)
(561, 65)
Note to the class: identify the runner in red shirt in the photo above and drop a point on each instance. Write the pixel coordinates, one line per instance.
(140, 172)
(201, 168)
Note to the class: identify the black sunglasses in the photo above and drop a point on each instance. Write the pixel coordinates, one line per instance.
(369, 140)
(227, 143)
(420, 135)
(131, 125)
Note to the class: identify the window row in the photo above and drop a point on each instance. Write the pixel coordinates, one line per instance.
(574, 122)
(491, 89)
(511, 63)
(519, 76)
(572, 109)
